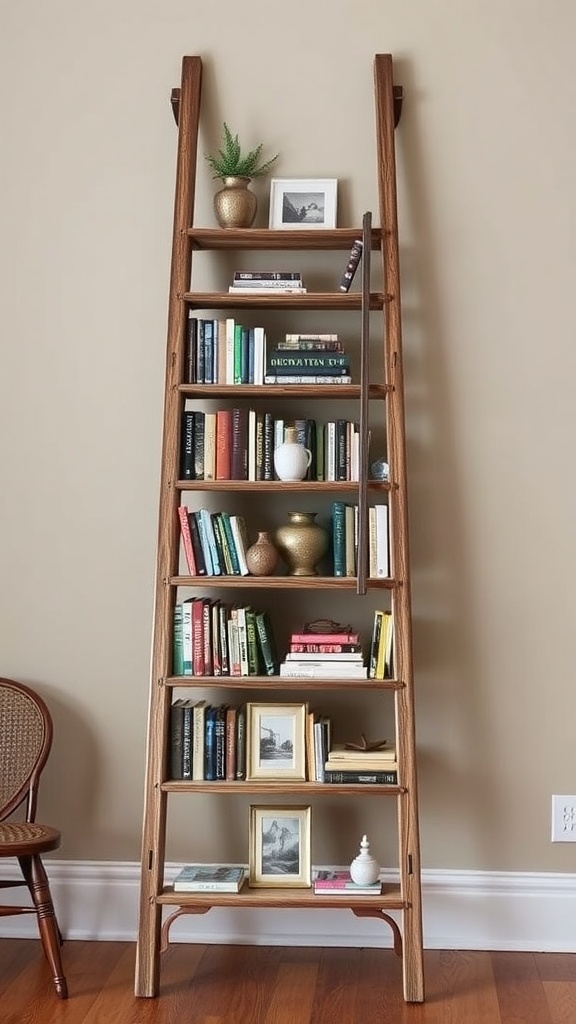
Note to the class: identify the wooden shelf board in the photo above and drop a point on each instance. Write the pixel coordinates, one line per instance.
(303, 789)
(252, 391)
(280, 582)
(264, 238)
(311, 300)
(282, 683)
(390, 899)
(277, 485)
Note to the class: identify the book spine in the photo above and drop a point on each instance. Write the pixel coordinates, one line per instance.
(375, 644)
(220, 743)
(241, 742)
(259, 354)
(176, 739)
(201, 526)
(205, 523)
(267, 275)
(285, 290)
(267, 643)
(187, 638)
(187, 435)
(215, 638)
(298, 379)
(190, 365)
(252, 643)
(325, 649)
(187, 539)
(311, 337)
(341, 439)
(230, 333)
(309, 344)
(223, 444)
(362, 778)
(239, 458)
(177, 647)
(231, 714)
(317, 361)
(208, 351)
(210, 744)
(199, 424)
(198, 740)
(324, 638)
(198, 637)
(187, 742)
(207, 887)
(209, 446)
(302, 368)
(238, 528)
(268, 447)
(222, 544)
(352, 265)
(196, 544)
(200, 354)
(207, 637)
(338, 538)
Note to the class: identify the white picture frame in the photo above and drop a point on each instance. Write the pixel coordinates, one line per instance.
(305, 204)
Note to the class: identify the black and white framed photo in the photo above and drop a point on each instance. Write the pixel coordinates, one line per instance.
(279, 855)
(303, 203)
(276, 742)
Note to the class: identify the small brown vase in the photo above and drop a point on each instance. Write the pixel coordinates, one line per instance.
(302, 543)
(235, 205)
(262, 557)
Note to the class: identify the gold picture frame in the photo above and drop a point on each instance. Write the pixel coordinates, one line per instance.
(276, 749)
(279, 855)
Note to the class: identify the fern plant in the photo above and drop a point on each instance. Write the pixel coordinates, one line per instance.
(229, 162)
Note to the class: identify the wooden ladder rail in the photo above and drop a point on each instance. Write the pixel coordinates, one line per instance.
(147, 977)
(388, 101)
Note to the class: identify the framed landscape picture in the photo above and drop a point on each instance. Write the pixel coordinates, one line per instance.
(303, 203)
(279, 847)
(276, 742)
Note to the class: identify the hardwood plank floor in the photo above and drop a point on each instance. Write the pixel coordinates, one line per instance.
(284, 985)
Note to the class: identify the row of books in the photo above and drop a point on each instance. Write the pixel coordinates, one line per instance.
(212, 638)
(231, 878)
(215, 543)
(225, 351)
(345, 540)
(239, 444)
(207, 742)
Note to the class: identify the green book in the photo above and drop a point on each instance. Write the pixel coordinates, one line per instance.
(178, 644)
(267, 643)
(339, 537)
(253, 652)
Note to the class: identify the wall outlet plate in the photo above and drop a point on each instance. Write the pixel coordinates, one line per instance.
(564, 819)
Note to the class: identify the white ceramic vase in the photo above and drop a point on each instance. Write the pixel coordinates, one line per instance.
(291, 459)
(364, 869)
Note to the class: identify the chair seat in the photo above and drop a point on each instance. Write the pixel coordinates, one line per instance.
(19, 838)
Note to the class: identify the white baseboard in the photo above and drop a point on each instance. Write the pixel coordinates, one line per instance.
(462, 910)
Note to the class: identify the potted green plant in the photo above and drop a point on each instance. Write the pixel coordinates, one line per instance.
(234, 204)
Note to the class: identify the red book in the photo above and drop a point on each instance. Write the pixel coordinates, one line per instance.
(324, 638)
(224, 444)
(187, 540)
(198, 637)
(310, 648)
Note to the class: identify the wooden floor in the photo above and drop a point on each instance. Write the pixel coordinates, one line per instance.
(280, 985)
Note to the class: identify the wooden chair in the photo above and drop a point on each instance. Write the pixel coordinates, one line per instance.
(25, 741)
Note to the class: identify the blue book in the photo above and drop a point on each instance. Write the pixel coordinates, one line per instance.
(251, 356)
(210, 743)
(206, 518)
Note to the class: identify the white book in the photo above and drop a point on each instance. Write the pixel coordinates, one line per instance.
(187, 637)
(320, 670)
(382, 560)
(330, 451)
(198, 740)
(239, 545)
(259, 354)
(328, 658)
(251, 444)
(233, 289)
(242, 640)
(230, 328)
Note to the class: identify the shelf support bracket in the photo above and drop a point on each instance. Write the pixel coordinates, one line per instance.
(381, 916)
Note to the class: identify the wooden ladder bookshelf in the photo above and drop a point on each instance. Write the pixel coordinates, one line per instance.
(402, 900)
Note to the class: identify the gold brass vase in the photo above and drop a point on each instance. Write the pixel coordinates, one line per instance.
(302, 543)
(234, 204)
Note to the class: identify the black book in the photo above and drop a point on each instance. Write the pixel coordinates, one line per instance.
(199, 445)
(210, 743)
(268, 447)
(187, 740)
(176, 738)
(341, 449)
(190, 368)
(388, 778)
(196, 545)
(310, 444)
(187, 440)
(220, 743)
(352, 265)
(239, 444)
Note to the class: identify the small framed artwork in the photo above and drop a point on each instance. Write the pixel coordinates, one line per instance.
(279, 847)
(303, 203)
(276, 742)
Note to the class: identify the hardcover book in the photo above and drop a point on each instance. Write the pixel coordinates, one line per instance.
(209, 878)
(333, 882)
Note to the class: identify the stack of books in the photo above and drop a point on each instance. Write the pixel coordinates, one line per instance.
(307, 359)
(267, 282)
(339, 883)
(210, 878)
(361, 766)
(324, 656)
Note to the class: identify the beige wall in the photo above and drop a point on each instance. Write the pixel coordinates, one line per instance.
(487, 164)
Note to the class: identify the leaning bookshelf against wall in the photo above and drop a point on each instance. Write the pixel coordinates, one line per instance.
(323, 645)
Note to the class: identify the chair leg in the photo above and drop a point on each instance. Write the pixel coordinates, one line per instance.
(37, 881)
